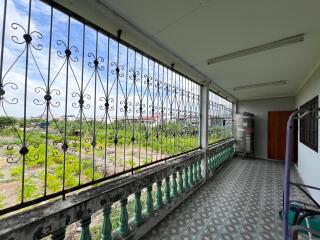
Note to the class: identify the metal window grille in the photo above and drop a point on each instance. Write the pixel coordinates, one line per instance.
(309, 125)
(220, 118)
(79, 105)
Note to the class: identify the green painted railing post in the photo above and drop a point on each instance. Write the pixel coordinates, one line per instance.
(106, 229)
(174, 185)
(191, 174)
(199, 170)
(195, 172)
(186, 179)
(159, 203)
(85, 229)
(149, 202)
(137, 219)
(123, 229)
(167, 190)
(59, 234)
(180, 183)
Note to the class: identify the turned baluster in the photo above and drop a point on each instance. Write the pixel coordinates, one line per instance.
(85, 229)
(174, 185)
(159, 202)
(106, 229)
(149, 202)
(186, 179)
(191, 175)
(123, 229)
(167, 197)
(137, 219)
(180, 182)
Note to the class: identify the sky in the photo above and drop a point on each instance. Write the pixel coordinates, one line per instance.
(96, 84)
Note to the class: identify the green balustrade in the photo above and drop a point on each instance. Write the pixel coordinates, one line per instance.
(85, 229)
(186, 179)
(106, 229)
(180, 182)
(123, 229)
(159, 202)
(167, 197)
(137, 219)
(59, 234)
(174, 185)
(149, 202)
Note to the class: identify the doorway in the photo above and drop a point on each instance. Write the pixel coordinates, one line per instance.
(277, 124)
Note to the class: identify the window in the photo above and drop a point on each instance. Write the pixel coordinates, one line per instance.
(220, 118)
(309, 125)
(79, 105)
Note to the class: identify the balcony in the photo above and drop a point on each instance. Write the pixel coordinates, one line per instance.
(117, 123)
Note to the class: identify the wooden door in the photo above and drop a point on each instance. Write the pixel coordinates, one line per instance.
(277, 123)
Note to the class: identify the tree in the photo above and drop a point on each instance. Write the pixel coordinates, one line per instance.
(7, 121)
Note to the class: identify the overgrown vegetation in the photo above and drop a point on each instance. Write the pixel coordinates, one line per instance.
(119, 145)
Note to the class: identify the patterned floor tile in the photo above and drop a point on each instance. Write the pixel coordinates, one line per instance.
(241, 202)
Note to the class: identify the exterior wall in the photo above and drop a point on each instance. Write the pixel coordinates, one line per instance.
(260, 109)
(308, 159)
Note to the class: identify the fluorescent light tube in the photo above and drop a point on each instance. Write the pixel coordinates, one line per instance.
(259, 85)
(256, 49)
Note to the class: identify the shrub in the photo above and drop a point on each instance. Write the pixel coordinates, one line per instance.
(7, 121)
(30, 190)
(16, 171)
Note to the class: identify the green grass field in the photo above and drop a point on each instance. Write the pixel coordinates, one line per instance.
(44, 162)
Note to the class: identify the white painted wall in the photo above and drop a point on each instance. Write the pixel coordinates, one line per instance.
(308, 159)
(260, 109)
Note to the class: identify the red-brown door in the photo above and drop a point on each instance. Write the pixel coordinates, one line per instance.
(277, 123)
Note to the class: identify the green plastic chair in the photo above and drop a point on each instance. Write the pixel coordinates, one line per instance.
(304, 217)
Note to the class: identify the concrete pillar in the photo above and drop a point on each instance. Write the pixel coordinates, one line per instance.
(204, 108)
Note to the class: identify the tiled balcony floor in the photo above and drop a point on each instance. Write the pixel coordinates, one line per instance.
(241, 202)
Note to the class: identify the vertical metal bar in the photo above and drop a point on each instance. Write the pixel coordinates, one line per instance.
(147, 106)
(167, 108)
(175, 111)
(66, 114)
(162, 111)
(106, 111)
(189, 112)
(94, 140)
(158, 108)
(141, 110)
(81, 105)
(133, 106)
(24, 143)
(152, 111)
(2, 39)
(286, 179)
(48, 106)
(117, 96)
(171, 106)
(125, 114)
(180, 94)
(184, 111)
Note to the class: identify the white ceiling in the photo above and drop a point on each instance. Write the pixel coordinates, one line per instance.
(197, 30)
